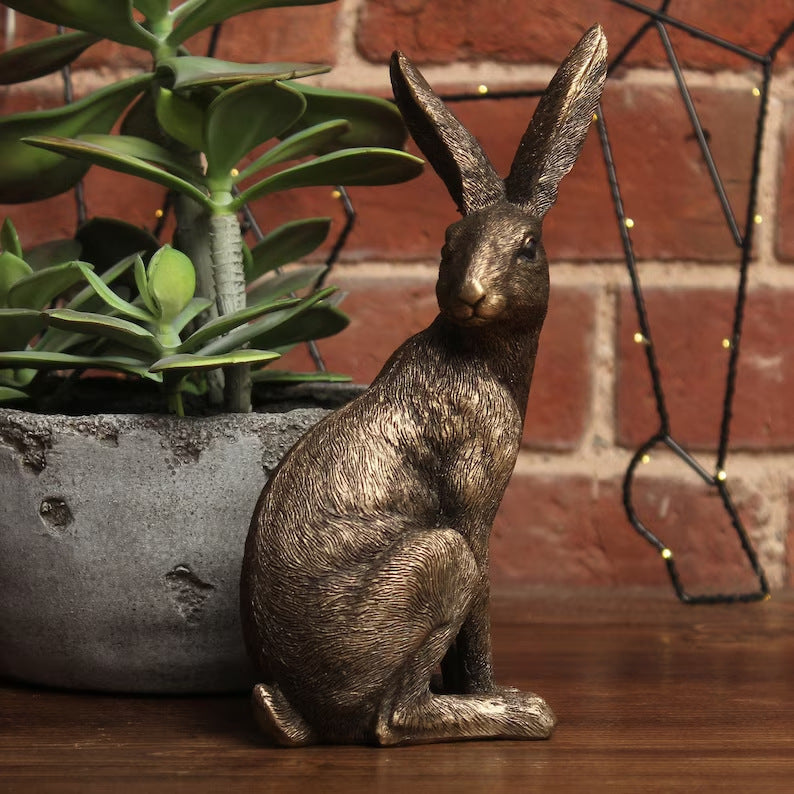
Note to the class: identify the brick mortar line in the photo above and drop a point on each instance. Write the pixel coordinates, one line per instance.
(603, 276)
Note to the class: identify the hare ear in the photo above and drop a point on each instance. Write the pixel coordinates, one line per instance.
(452, 150)
(556, 134)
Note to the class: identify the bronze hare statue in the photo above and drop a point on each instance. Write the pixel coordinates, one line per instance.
(366, 565)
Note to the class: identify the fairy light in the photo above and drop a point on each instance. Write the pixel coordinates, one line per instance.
(667, 554)
(158, 213)
(726, 343)
(336, 194)
(756, 91)
(758, 219)
(640, 339)
(646, 458)
(482, 89)
(234, 172)
(722, 475)
(629, 223)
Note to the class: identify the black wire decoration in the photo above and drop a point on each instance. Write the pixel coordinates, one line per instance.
(660, 20)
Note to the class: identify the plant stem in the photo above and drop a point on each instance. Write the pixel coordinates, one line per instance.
(227, 265)
(192, 237)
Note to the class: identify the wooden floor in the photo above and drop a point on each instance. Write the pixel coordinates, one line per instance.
(651, 695)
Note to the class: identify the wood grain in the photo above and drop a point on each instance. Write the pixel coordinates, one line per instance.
(651, 695)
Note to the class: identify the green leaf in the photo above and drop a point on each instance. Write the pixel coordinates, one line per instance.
(30, 174)
(193, 363)
(285, 283)
(18, 327)
(9, 240)
(107, 241)
(227, 322)
(190, 312)
(12, 269)
(244, 116)
(210, 12)
(42, 57)
(144, 150)
(39, 288)
(142, 285)
(108, 277)
(42, 359)
(308, 141)
(126, 164)
(244, 334)
(317, 322)
(347, 167)
(191, 71)
(153, 10)
(373, 121)
(106, 327)
(111, 19)
(114, 300)
(287, 244)
(172, 282)
(285, 376)
(53, 252)
(183, 119)
(7, 394)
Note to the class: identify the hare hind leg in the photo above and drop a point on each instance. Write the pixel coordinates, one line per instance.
(439, 569)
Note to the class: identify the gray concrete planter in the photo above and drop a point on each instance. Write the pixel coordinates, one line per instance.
(121, 539)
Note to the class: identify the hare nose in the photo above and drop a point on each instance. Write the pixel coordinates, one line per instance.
(472, 292)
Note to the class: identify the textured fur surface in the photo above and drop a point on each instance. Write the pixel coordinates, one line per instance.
(366, 565)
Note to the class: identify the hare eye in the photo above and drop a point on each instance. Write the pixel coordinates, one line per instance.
(528, 252)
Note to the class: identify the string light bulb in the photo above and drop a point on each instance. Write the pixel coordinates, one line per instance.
(758, 219)
(646, 458)
(335, 194)
(667, 554)
(629, 222)
(756, 91)
(234, 172)
(482, 89)
(158, 213)
(640, 339)
(722, 475)
(726, 343)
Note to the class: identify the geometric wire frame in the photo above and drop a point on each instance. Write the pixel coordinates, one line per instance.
(659, 20)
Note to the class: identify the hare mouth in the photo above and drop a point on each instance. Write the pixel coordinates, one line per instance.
(466, 315)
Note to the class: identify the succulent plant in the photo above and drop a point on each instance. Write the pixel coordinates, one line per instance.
(192, 127)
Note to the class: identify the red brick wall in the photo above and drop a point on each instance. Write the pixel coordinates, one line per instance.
(562, 521)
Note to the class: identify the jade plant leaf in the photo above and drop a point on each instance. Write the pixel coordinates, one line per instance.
(152, 9)
(42, 57)
(190, 362)
(308, 141)
(53, 252)
(286, 244)
(125, 163)
(18, 327)
(9, 239)
(112, 299)
(40, 287)
(44, 359)
(373, 121)
(210, 12)
(227, 322)
(181, 118)
(190, 312)
(283, 284)
(8, 394)
(171, 281)
(12, 269)
(347, 167)
(285, 376)
(316, 322)
(30, 174)
(144, 150)
(192, 71)
(111, 19)
(243, 117)
(115, 328)
(256, 330)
